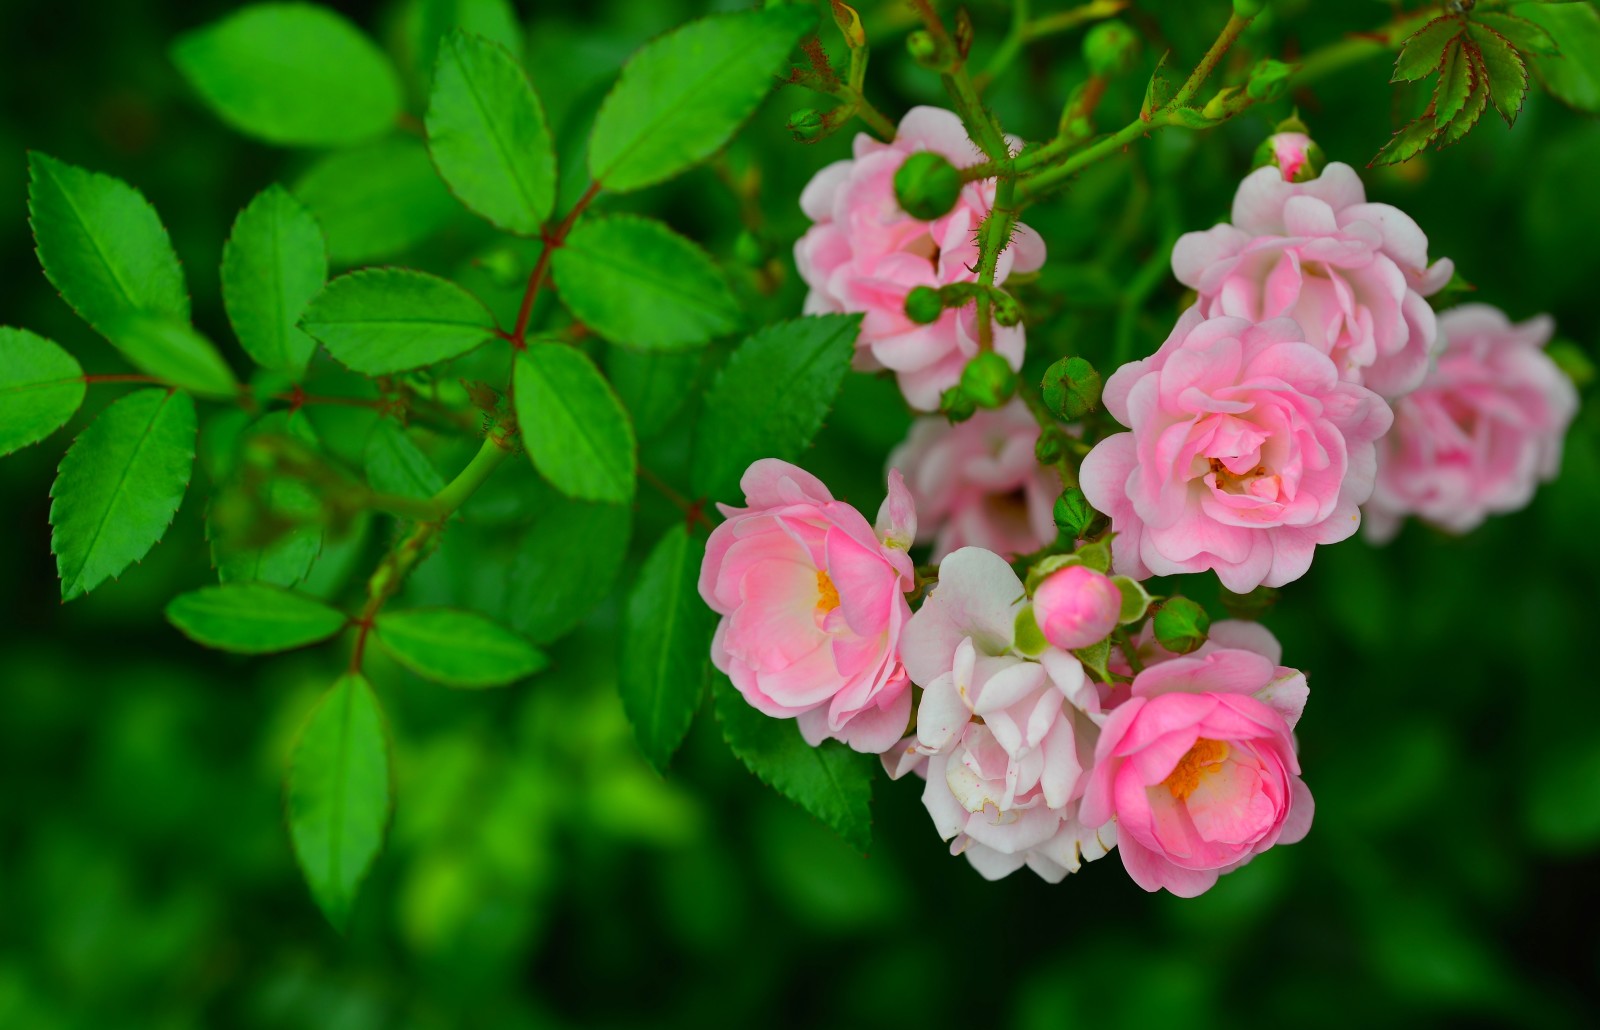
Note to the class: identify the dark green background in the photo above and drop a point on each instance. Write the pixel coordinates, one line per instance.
(538, 873)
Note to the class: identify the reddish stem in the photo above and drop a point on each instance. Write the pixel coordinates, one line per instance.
(552, 241)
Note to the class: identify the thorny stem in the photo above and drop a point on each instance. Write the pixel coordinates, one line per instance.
(1208, 63)
(994, 237)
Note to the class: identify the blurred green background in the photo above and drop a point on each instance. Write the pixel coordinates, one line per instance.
(540, 874)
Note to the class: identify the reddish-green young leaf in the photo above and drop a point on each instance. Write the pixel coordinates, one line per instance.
(1523, 34)
(1454, 86)
(1407, 143)
(1423, 50)
(1505, 73)
(1477, 103)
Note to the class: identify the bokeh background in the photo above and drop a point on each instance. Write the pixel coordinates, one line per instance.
(540, 874)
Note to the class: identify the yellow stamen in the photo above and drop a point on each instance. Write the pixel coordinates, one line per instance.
(1199, 760)
(827, 593)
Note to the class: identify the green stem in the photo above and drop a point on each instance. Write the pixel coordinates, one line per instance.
(1208, 63)
(994, 237)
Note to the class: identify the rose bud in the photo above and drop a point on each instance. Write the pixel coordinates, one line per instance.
(1077, 607)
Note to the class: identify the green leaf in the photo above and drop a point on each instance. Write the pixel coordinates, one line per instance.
(457, 648)
(638, 283)
(119, 486)
(292, 74)
(101, 244)
(566, 563)
(1477, 103)
(173, 351)
(1507, 74)
(653, 385)
(1574, 77)
(1407, 143)
(487, 134)
(376, 201)
(338, 795)
(397, 466)
(1523, 34)
(427, 22)
(831, 782)
(41, 387)
(1423, 50)
(274, 262)
(770, 398)
(682, 96)
(1455, 84)
(253, 618)
(574, 427)
(286, 559)
(666, 646)
(384, 320)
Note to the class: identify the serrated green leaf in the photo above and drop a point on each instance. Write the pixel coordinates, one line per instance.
(286, 560)
(1097, 658)
(1526, 36)
(666, 646)
(1506, 74)
(682, 96)
(1574, 77)
(253, 618)
(173, 351)
(487, 134)
(653, 385)
(566, 563)
(380, 321)
(573, 426)
(102, 245)
(457, 648)
(337, 795)
(1423, 50)
(1407, 143)
(292, 74)
(274, 262)
(638, 283)
(119, 486)
(1456, 82)
(831, 782)
(376, 201)
(41, 387)
(1467, 117)
(770, 398)
(397, 466)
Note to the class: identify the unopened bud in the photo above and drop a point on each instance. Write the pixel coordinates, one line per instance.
(1071, 388)
(807, 125)
(1181, 625)
(927, 185)
(955, 405)
(1292, 153)
(1076, 607)
(849, 23)
(988, 380)
(926, 51)
(923, 305)
(1051, 446)
(1110, 48)
(1073, 514)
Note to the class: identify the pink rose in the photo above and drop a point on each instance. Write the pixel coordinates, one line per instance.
(977, 482)
(1076, 607)
(1000, 738)
(1353, 274)
(1198, 766)
(1291, 153)
(1483, 430)
(813, 605)
(865, 254)
(1247, 451)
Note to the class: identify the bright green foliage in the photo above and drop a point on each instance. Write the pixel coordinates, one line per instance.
(173, 351)
(831, 782)
(385, 320)
(653, 385)
(355, 194)
(638, 283)
(682, 96)
(574, 427)
(119, 486)
(771, 398)
(338, 794)
(1455, 85)
(397, 466)
(287, 558)
(566, 563)
(487, 134)
(274, 262)
(253, 618)
(1424, 49)
(101, 244)
(293, 74)
(457, 648)
(666, 645)
(41, 386)
(427, 22)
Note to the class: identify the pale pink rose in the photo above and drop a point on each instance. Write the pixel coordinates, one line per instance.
(977, 483)
(1198, 766)
(1483, 430)
(864, 254)
(1076, 607)
(1000, 737)
(1353, 274)
(1247, 451)
(813, 605)
(1291, 153)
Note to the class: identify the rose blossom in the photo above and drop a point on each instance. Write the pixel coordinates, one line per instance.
(865, 254)
(1246, 451)
(813, 605)
(1076, 606)
(1353, 274)
(1000, 738)
(1198, 767)
(1291, 155)
(977, 482)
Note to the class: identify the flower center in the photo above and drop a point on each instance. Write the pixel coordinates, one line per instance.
(1196, 762)
(827, 593)
(1236, 482)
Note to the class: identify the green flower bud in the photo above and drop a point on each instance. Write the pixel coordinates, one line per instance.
(1073, 514)
(807, 125)
(988, 380)
(1071, 388)
(955, 405)
(923, 305)
(1051, 445)
(1110, 48)
(1268, 80)
(926, 51)
(927, 185)
(1181, 625)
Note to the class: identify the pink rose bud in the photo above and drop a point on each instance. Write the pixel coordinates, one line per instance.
(1077, 607)
(1295, 155)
